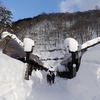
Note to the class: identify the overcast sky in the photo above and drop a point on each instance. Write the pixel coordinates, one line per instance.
(30, 8)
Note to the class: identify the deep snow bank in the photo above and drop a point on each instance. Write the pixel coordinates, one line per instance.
(86, 85)
(12, 85)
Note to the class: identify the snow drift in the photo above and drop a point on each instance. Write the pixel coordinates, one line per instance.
(12, 84)
(86, 85)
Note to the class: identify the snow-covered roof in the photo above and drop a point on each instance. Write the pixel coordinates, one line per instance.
(90, 43)
(4, 34)
(13, 49)
(13, 36)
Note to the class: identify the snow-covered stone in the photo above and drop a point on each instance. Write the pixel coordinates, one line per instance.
(28, 44)
(71, 44)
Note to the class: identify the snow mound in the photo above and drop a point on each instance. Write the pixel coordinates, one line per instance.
(71, 44)
(28, 44)
(12, 85)
(86, 85)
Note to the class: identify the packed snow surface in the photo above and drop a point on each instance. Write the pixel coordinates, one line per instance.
(85, 86)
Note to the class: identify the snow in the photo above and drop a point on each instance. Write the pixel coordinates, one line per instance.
(12, 84)
(90, 42)
(67, 58)
(51, 55)
(51, 59)
(52, 68)
(28, 44)
(87, 81)
(85, 86)
(5, 33)
(71, 44)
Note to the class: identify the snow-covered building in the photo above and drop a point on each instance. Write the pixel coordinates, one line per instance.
(13, 47)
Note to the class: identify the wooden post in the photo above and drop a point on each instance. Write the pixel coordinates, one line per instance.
(28, 65)
(28, 48)
(73, 71)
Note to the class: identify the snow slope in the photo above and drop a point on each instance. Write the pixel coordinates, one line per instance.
(85, 86)
(12, 83)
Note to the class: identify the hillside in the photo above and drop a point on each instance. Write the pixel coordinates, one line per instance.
(53, 28)
(49, 31)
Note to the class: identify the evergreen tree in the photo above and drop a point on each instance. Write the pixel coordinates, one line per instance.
(5, 18)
